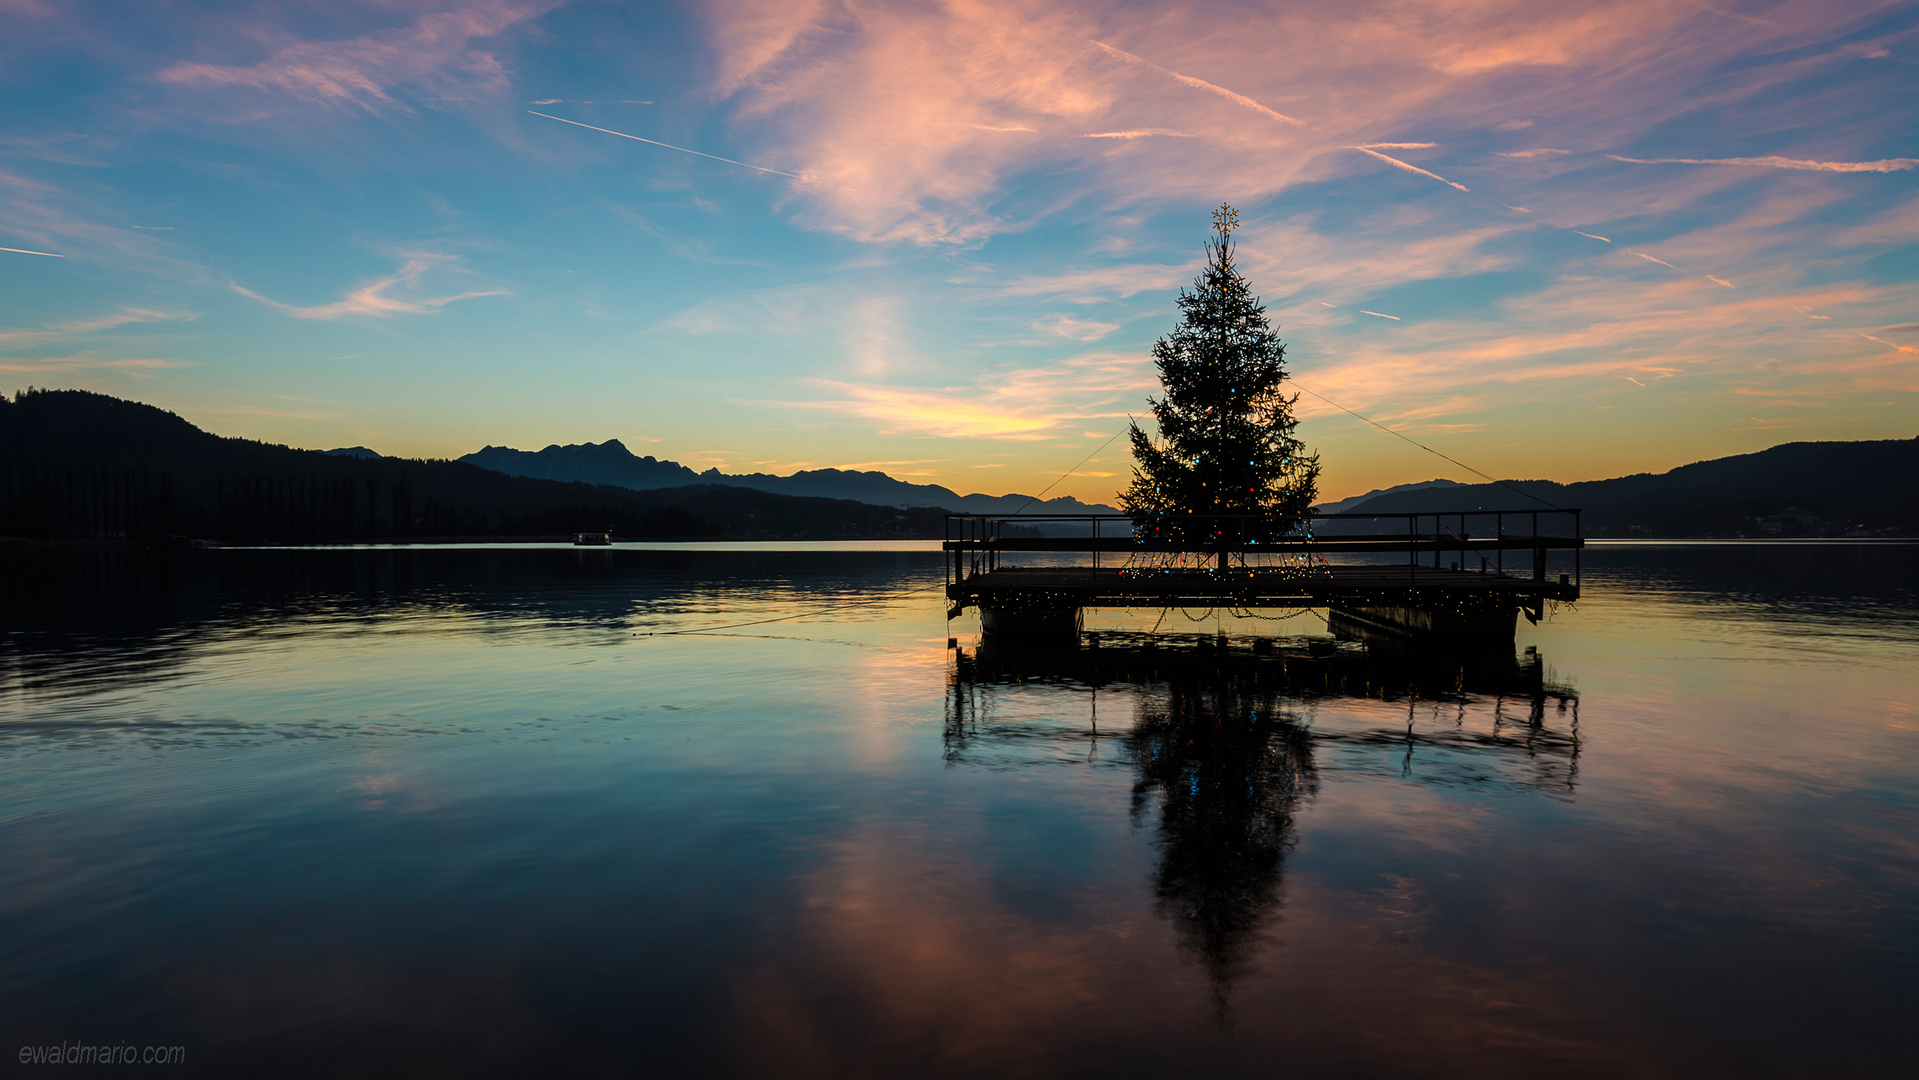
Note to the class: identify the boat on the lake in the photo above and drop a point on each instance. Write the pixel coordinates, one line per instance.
(592, 539)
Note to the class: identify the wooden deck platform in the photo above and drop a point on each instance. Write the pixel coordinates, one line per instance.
(1453, 583)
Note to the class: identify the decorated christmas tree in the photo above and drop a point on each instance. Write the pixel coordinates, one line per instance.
(1226, 442)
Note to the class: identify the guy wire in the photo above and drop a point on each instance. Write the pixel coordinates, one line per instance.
(1429, 449)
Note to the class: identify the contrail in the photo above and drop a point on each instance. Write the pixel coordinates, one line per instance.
(1774, 162)
(24, 251)
(1661, 262)
(1201, 84)
(681, 149)
(1398, 164)
(1136, 133)
(1381, 314)
(1590, 236)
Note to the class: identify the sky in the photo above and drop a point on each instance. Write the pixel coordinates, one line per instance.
(1563, 241)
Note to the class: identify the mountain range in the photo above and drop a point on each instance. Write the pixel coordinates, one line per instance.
(79, 465)
(612, 463)
(1861, 488)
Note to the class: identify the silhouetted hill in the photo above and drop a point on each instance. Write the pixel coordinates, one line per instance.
(1346, 504)
(1794, 489)
(79, 465)
(611, 462)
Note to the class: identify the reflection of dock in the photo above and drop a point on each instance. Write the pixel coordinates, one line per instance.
(1497, 717)
(1229, 739)
(1453, 580)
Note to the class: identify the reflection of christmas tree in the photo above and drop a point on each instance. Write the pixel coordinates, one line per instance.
(1226, 430)
(1229, 770)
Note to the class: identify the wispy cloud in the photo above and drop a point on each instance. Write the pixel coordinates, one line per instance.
(1024, 405)
(1531, 153)
(375, 297)
(436, 54)
(1772, 162)
(1094, 284)
(20, 339)
(48, 365)
(1889, 344)
(1075, 329)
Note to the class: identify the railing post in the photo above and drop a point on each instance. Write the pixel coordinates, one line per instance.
(1413, 549)
(1539, 553)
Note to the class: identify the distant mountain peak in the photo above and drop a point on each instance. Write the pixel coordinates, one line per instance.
(611, 462)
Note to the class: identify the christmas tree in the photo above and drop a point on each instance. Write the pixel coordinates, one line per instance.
(1226, 442)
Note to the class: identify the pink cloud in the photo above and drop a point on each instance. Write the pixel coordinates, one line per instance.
(375, 297)
(1027, 404)
(907, 106)
(436, 53)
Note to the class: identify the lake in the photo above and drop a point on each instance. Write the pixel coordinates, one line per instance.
(490, 811)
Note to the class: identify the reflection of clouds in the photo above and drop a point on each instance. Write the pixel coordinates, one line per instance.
(916, 948)
(901, 931)
(905, 958)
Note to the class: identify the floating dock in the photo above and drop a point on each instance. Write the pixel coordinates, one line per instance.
(1464, 574)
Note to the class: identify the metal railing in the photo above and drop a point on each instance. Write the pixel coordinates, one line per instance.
(978, 542)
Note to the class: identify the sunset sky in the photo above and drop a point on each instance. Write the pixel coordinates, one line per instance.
(1566, 240)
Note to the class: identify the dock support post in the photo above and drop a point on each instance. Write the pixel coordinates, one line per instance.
(1030, 623)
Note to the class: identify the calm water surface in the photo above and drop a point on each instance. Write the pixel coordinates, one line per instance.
(477, 812)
